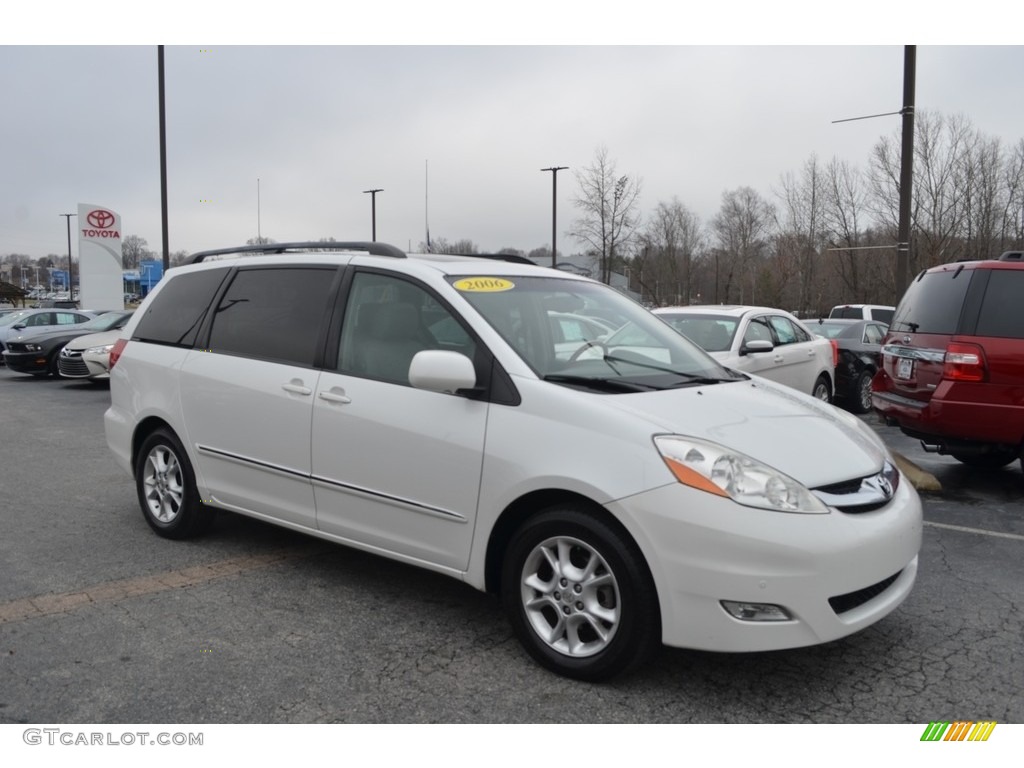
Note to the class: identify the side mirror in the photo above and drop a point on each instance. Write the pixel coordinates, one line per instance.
(440, 370)
(18, 327)
(755, 346)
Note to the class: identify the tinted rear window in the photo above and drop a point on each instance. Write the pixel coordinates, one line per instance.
(932, 303)
(1000, 309)
(175, 314)
(274, 314)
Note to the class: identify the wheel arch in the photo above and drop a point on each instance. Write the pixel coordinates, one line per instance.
(529, 505)
(145, 428)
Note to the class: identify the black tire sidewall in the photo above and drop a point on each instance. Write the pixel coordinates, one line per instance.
(638, 634)
(190, 518)
(855, 399)
(822, 381)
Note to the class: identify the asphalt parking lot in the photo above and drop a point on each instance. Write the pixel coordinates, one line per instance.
(101, 621)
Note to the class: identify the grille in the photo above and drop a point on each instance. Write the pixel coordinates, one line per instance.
(843, 603)
(862, 494)
(72, 367)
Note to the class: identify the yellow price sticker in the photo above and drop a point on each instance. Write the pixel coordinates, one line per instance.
(483, 284)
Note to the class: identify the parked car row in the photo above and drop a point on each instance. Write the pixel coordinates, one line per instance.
(60, 343)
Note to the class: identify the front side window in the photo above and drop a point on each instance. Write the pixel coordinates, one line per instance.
(274, 314)
(758, 330)
(785, 331)
(387, 321)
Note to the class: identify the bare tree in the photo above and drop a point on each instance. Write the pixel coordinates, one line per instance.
(670, 245)
(134, 251)
(741, 226)
(609, 204)
(860, 261)
(801, 231)
(440, 245)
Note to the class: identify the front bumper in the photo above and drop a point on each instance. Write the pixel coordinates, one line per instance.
(834, 574)
(77, 364)
(26, 362)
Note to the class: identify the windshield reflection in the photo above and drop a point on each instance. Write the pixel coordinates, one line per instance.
(580, 333)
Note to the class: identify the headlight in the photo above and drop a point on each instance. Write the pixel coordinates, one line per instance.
(33, 348)
(104, 350)
(716, 469)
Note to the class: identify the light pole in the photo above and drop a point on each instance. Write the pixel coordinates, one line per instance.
(373, 210)
(71, 288)
(554, 206)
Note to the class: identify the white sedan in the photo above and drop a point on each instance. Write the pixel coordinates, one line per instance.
(760, 340)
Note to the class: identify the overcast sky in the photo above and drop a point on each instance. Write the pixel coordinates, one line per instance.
(455, 135)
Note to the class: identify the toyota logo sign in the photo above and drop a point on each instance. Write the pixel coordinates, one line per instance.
(101, 219)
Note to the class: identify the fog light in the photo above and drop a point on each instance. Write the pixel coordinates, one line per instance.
(755, 611)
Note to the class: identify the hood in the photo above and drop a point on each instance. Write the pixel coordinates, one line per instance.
(812, 442)
(95, 339)
(65, 332)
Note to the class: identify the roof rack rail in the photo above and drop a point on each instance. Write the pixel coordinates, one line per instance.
(374, 248)
(1012, 256)
(514, 258)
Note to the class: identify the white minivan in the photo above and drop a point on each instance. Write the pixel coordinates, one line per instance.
(421, 408)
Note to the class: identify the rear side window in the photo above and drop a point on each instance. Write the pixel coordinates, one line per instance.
(1000, 310)
(847, 313)
(882, 315)
(274, 314)
(177, 311)
(932, 303)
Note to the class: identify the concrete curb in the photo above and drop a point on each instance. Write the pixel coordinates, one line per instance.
(921, 480)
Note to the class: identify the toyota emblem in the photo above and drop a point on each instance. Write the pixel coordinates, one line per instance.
(101, 219)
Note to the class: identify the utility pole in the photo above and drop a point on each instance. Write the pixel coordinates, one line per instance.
(554, 207)
(906, 171)
(71, 288)
(163, 156)
(373, 211)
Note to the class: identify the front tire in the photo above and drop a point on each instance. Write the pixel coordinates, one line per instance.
(579, 595)
(166, 487)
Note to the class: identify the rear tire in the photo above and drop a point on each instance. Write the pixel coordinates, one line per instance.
(860, 399)
(990, 460)
(579, 595)
(822, 389)
(166, 487)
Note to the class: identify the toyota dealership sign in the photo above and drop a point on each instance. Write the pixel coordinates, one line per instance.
(101, 223)
(99, 258)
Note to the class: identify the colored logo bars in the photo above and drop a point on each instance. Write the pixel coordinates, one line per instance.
(961, 730)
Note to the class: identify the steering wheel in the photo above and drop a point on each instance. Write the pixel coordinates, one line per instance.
(587, 345)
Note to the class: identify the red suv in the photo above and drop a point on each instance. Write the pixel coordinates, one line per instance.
(953, 362)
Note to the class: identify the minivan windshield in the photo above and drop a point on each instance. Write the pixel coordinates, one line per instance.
(561, 328)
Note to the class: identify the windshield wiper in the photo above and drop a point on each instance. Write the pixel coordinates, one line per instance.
(608, 385)
(691, 378)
